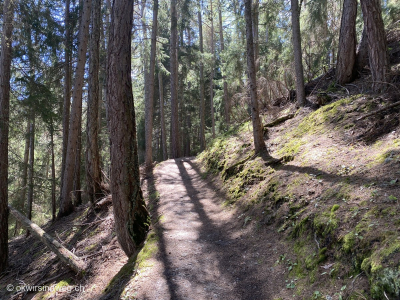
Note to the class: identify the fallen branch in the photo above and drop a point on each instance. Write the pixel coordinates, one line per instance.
(107, 200)
(66, 256)
(279, 120)
(379, 110)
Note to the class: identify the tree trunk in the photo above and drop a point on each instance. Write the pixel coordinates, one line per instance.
(377, 48)
(67, 88)
(362, 59)
(149, 100)
(31, 167)
(175, 149)
(255, 116)
(62, 253)
(93, 172)
(188, 135)
(347, 43)
(76, 190)
(66, 205)
(162, 117)
(5, 74)
(255, 34)
(130, 213)
(202, 104)
(212, 73)
(22, 196)
(53, 176)
(221, 39)
(298, 60)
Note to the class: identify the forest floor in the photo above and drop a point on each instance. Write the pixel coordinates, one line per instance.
(320, 224)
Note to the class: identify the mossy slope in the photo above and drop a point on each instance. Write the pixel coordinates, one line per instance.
(335, 200)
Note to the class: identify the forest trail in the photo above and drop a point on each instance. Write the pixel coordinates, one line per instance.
(205, 251)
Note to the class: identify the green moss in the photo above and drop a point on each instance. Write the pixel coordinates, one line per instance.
(326, 222)
(335, 207)
(382, 271)
(148, 251)
(348, 242)
(388, 282)
(291, 148)
(61, 284)
(300, 227)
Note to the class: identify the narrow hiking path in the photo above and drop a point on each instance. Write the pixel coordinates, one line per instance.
(204, 251)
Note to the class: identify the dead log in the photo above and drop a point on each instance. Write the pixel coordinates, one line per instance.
(379, 110)
(66, 256)
(279, 120)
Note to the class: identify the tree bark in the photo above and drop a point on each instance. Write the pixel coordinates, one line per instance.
(22, 197)
(53, 176)
(67, 88)
(212, 73)
(362, 59)
(255, 115)
(298, 60)
(93, 172)
(62, 253)
(162, 117)
(5, 74)
(255, 34)
(66, 205)
(347, 43)
(76, 189)
(377, 48)
(149, 106)
(31, 167)
(226, 97)
(175, 149)
(130, 213)
(202, 104)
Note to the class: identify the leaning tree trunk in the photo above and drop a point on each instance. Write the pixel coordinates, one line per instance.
(5, 74)
(150, 96)
(66, 205)
(202, 104)
(298, 60)
(347, 43)
(377, 48)
(66, 256)
(93, 172)
(175, 149)
(130, 213)
(255, 115)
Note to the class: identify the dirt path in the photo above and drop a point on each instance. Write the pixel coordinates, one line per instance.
(204, 250)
